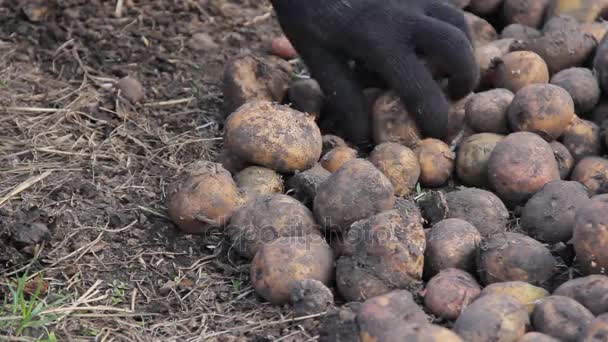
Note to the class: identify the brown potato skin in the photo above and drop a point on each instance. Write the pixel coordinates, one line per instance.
(526, 293)
(336, 157)
(203, 198)
(544, 109)
(280, 263)
(399, 164)
(590, 239)
(485, 54)
(597, 330)
(330, 141)
(486, 112)
(582, 86)
(518, 69)
(449, 292)
(481, 30)
(231, 161)
(525, 12)
(561, 317)
(356, 191)
(274, 136)
(391, 122)
(494, 317)
(515, 257)
(415, 332)
(582, 10)
(436, 162)
(520, 165)
(473, 156)
(257, 180)
(592, 172)
(534, 336)
(591, 291)
(565, 161)
(582, 139)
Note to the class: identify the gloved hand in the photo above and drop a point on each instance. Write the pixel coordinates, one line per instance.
(388, 37)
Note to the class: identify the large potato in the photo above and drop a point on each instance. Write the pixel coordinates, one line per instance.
(561, 317)
(582, 85)
(593, 173)
(582, 139)
(256, 180)
(590, 237)
(526, 293)
(518, 69)
(525, 12)
(565, 161)
(472, 158)
(449, 292)
(597, 330)
(520, 165)
(487, 111)
(399, 164)
(274, 136)
(279, 264)
(436, 162)
(591, 291)
(203, 198)
(391, 122)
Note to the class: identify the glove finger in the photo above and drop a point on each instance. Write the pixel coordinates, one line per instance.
(451, 15)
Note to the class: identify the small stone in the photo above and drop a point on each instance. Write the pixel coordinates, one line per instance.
(131, 89)
(31, 234)
(201, 41)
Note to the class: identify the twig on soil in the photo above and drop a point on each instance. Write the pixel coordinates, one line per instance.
(118, 10)
(252, 327)
(155, 213)
(169, 102)
(24, 186)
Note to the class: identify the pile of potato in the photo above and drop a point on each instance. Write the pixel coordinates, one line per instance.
(498, 233)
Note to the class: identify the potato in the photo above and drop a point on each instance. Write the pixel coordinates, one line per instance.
(382, 253)
(472, 158)
(597, 330)
(590, 243)
(513, 256)
(581, 10)
(526, 293)
(257, 180)
(414, 332)
(335, 158)
(330, 141)
(399, 164)
(436, 162)
(600, 198)
(481, 30)
(306, 96)
(267, 218)
(561, 317)
(391, 122)
(565, 161)
(231, 162)
(254, 78)
(593, 173)
(520, 165)
(449, 292)
(525, 12)
(549, 214)
(484, 210)
(203, 198)
(274, 136)
(451, 243)
(484, 56)
(534, 336)
(591, 291)
(544, 109)
(519, 32)
(310, 296)
(600, 63)
(487, 111)
(303, 185)
(356, 191)
(517, 69)
(484, 7)
(279, 264)
(582, 139)
(582, 86)
(494, 317)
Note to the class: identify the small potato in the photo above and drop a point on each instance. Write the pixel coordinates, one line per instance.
(493, 317)
(591, 291)
(519, 32)
(356, 191)
(597, 330)
(518, 69)
(582, 86)
(481, 30)
(484, 56)
(231, 161)
(520, 165)
(436, 162)
(544, 109)
(279, 264)
(486, 112)
(526, 293)
(335, 158)
(310, 296)
(391, 122)
(534, 336)
(451, 243)
(592, 172)
(472, 158)
(565, 161)
(399, 164)
(304, 184)
(582, 139)
(306, 96)
(525, 12)
(274, 136)
(549, 214)
(330, 141)
(561, 317)
(484, 7)
(513, 256)
(266, 218)
(449, 292)
(590, 243)
(257, 180)
(203, 198)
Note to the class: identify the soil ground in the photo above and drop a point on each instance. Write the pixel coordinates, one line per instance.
(80, 161)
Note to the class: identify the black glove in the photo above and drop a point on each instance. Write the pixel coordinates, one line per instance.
(388, 37)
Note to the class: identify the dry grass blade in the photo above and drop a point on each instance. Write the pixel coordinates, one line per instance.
(24, 186)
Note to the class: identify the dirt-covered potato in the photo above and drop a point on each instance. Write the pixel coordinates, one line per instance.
(486, 112)
(382, 253)
(254, 78)
(535, 336)
(414, 332)
(305, 95)
(525, 12)
(593, 173)
(451, 243)
(310, 296)
(231, 161)
(303, 185)
(549, 215)
(481, 30)
(356, 191)
(596, 29)
(512, 256)
(518, 69)
(520, 165)
(600, 63)
(526, 293)
(597, 330)
(484, 56)
(399, 164)
(582, 10)
(519, 32)
(274, 136)
(582, 139)
(591, 291)
(279, 264)
(493, 317)
(203, 198)
(544, 109)
(590, 237)
(257, 180)
(565, 161)
(266, 218)
(484, 210)
(472, 158)
(391, 122)
(582, 86)
(449, 292)
(484, 7)
(561, 317)
(336, 157)
(436, 162)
